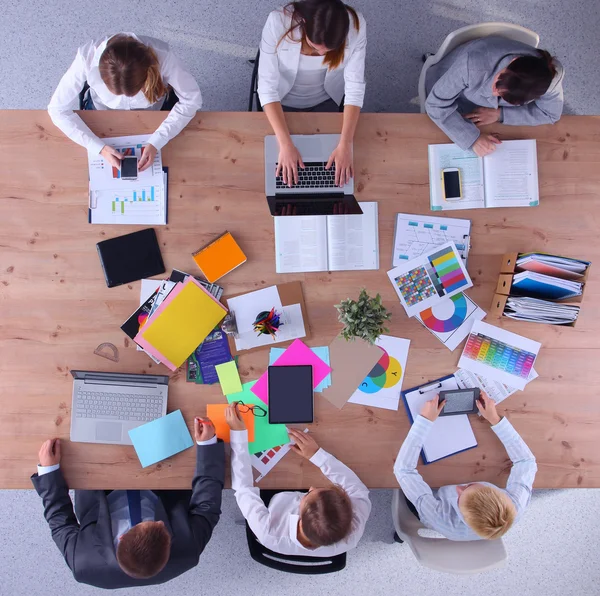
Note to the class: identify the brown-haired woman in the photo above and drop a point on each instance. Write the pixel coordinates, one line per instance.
(125, 72)
(312, 56)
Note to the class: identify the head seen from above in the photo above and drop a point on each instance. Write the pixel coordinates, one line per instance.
(325, 516)
(324, 26)
(127, 66)
(526, 78)
(144, 550)
(488, 511)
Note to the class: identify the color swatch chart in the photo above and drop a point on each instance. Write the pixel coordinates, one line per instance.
(265, 461)
(415, 286)
(454, 321)
(497, 354)
(446, 272)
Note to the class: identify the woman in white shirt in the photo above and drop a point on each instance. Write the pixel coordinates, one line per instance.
(312, 56)
(125, 72)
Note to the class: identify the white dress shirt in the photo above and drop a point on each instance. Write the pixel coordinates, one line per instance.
(309, 87)
(85, 68)
(276, 527)
(440, 511)
(280, 59)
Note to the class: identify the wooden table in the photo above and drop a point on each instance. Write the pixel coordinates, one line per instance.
(55, 307)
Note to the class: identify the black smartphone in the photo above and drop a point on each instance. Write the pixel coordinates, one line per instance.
(460, 401)
(451, 184)
(129, 168)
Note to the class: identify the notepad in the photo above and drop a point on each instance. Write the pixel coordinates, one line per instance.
(216, 413)
(266, 436)
(450, 434)
(181, 323)
(229, 377)
(508, 177)
(219, 258)
(161, 438)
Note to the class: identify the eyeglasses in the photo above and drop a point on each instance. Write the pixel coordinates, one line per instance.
(257, 411)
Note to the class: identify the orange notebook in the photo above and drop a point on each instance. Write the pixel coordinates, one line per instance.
(219, 257)
(216, 412)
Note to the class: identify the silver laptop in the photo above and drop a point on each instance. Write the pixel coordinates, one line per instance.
(316, 192)
(106, 406)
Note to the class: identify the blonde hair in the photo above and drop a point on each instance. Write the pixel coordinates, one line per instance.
(488, 511)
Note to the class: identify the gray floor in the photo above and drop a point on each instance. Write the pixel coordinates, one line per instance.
(555, 548)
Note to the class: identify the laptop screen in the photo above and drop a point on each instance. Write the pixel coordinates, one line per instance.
(313, 204)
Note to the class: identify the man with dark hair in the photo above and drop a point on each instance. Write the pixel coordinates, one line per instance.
(119, 539)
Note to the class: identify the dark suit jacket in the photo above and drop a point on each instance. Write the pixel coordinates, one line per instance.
(87, 545)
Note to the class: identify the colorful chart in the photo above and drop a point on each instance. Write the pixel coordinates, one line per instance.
(434, 319)
(446, 272)
(497, 354)
(415, 286)
(385, 374)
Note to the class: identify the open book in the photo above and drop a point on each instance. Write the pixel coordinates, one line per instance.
(327, 243)
(508, 177)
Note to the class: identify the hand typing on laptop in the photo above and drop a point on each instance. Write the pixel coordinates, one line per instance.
(344, 167)
(287, 163)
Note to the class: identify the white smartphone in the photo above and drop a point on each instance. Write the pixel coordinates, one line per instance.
(451, 184)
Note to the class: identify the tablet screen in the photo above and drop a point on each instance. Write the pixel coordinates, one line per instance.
(290, 394)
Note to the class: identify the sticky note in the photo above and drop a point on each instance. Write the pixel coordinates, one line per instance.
(266, 435)
(161, 438)
(229, 377)
(216, 412)
(297, 353)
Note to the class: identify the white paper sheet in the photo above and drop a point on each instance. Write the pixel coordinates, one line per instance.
(247, 306)
(499, 355)
(300, 244)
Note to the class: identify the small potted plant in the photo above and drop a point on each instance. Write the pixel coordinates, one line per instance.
(363, 318)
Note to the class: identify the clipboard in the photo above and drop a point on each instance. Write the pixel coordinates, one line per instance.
(448, 424)
(289, 293)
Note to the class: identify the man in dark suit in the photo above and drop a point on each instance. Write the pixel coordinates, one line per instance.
(133, 538)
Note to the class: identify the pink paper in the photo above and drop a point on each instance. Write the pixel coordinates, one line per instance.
(297, 353)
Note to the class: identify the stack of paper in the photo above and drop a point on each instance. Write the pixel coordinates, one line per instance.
(553, 265)
(545, 286)
(321, 352)
(540, 311)
(183, 320)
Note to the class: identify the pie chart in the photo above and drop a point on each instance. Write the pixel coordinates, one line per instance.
(386, 373)
(447, 315)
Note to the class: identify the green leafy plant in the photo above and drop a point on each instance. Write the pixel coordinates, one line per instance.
(363, 318)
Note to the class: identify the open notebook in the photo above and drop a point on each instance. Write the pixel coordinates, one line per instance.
(450, 434)
(327, 243)
(508, 177)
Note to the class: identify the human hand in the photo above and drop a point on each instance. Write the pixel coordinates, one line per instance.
(483, 116)
(233, 417)
(305, 445)
(112, 156)
(147, 159)
(487, 408)
(431, 409)
(204, 429)
(344, 167)
(49, 454)
(485, 145)
(287, 163)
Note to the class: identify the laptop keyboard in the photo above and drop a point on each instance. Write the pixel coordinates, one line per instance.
(314, 175)
(118, 406)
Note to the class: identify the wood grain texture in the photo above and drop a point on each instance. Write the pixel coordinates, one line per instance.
(55, 307)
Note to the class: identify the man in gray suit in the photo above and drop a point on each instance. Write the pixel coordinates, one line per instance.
(493, 79)
(132, 538)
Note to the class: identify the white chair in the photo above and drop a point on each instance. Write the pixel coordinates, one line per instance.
(442, 554)
(464, 34)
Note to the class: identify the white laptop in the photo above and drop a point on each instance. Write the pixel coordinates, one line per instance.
(316, 192)
(106, 406)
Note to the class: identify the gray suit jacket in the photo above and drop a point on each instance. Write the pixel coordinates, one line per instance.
(87, 544)
(463, 80)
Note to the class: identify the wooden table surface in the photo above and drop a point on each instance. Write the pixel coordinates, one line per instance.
(55, 307)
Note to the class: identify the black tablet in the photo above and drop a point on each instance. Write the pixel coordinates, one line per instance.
(290, 394)
(131, 257)
(459, 401)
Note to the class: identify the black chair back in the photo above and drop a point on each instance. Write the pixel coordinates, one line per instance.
(254, 86)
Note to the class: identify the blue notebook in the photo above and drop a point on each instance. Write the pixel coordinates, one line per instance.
(161, 438)
(450, 434)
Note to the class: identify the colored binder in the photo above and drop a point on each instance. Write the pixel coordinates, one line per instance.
(219, 258)
(180, 324)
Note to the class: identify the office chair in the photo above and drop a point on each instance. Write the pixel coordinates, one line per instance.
(290, 563)
(468, 33)
(442, 554)
(254, 85)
